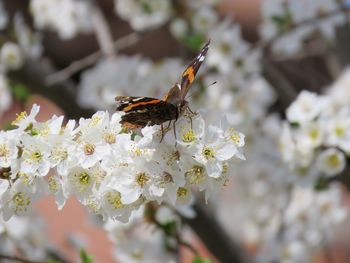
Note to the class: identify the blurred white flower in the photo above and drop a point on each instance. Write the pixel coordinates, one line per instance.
(138, 242)
(67, 17)
(27, 234)
(306, 107)
(109, 78)
(28, 40)
(144, 14)
(11, 56)
(331, 162)
(337, 128)
(339, 90)
(229, 51)
(204, 19)
(17, 200)
(178, 27)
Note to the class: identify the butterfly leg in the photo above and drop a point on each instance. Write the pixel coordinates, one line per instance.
(162, 129)
(192, 112)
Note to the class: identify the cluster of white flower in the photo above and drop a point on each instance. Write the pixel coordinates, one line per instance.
(24, 235)
(141, 240)
(280, 16)
(315, 140)
(67, 17)
(285, 219)
(308, 222)
(108, 170)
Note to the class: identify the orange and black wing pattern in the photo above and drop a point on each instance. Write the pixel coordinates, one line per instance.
(190, 72)
(143, 111)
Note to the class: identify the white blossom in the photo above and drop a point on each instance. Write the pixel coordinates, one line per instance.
(331, 162)
(145, 14)
(306, 107)
(67, 17)
(11, 56)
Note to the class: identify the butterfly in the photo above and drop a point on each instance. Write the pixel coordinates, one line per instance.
(146, 111)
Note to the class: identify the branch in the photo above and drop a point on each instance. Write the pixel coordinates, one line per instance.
(33, 75)
(102, 31)
(266, 46)
(18, 259)
(215, 237)
(284, 89)
(89, 60)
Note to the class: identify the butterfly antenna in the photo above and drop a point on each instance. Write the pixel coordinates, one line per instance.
(195, 92)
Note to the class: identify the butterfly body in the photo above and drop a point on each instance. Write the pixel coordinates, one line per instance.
(145, 111)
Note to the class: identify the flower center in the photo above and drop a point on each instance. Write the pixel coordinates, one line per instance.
(333, 160)
(94, 121)
(36, 156)
(89, 149)
(4, 151)
(84, 178)
(188, 136)
(181, 191)
(208, 153)
(21, 202)
(339, 131)
(59, 154)
(109, 138)
(314, 134)
(195, 174)
(19, 117)
(115, 200)
(53, 184)
(142, 179)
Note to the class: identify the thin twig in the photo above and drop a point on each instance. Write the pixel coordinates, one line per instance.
(215, 238)
(268, 44)
(188, 246)
(89, 60)
(19, 259)
(102, 31)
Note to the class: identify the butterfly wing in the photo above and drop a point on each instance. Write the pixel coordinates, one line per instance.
(143, 111)
(190, 72)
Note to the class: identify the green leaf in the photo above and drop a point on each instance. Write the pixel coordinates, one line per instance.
(194, 41)
(294, 125)
(201, 260)
(20, 91)
(147, 8)
(283, 21)
(169, 228)
(85, 258)
(322, 184)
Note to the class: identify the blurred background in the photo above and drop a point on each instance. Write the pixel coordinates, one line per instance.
(281, 75)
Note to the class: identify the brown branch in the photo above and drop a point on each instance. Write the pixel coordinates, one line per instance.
(266, 46)
(89, 60)
(102, 31)
(216, 239)
(19, 259)
(284, 89)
